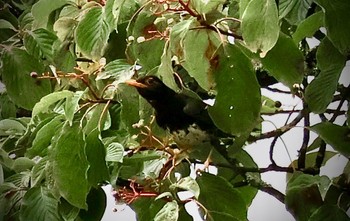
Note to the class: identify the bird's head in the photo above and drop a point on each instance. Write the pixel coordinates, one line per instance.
(151, 88)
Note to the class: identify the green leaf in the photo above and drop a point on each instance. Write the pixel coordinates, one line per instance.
(39, 43)
(43, 137)
(329, 212)
(141, 41)
(130, 108)
(236, 110)
(147, 208)
(169, 212)
(198, 49)
(23, 90)
(187, 183)
(64, 26)
(39, 172)
(44, 104)
(260, 26)
(97, 203)
(294, 11)
(6, 25)
(7, 107)
(67, 211)
(42, 9)
(11, 127)
(39, 204)
(217, 202)
(70, 165)
(303, 196)
(119, 70)
(72, 105)
(115, 152)
(92, 34)
(308, 27)
(22, 164)
(97, 117)
(337, 23)
(268, 105)
(204, 7)
(119, 11)
(287, 68)
(319, 93)
(334, 135)
(165, 69)
(96, 153)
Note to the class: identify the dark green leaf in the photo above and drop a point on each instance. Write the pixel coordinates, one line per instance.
(130, 108)
(97, 202)
(23, 90)
(70, 165)
(97, 117)
(42, 9)
(39, 204)
(308, 27)
(236, 109)
(96, 153)
(146, 208)
(303, 196)
(39, 43)
(6, 25)
(92, 34)
(43, 138)
(337, 23)
(334, 135)
(204, 7)
(169, 212)
(7, 107)
(44, 104)
(39, 171)
(260, 26)
(294, 11)
(217, 202)
(329, 212)
(320, 91)
(142, 47)
(119, 11)
(285, 62)
(248, 192)
(336, 195)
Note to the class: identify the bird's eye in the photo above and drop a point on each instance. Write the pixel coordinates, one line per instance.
(150, 81)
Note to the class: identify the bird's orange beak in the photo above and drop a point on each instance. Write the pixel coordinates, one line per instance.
(134, 83)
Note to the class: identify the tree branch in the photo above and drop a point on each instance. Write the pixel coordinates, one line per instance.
(306, 139)
(281, 130)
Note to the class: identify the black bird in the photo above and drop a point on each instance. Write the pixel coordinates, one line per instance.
(173, 111)
(185, 116)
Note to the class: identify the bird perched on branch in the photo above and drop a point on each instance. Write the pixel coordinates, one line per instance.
(182, 115)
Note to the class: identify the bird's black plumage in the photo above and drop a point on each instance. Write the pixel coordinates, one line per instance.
(173, 111)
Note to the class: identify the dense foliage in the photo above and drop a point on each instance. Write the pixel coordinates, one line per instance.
(70, 125)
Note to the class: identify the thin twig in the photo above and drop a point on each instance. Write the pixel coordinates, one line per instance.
(320, 155)
(306, 139)
(272, 147)
(281, 130)
(273, 192)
